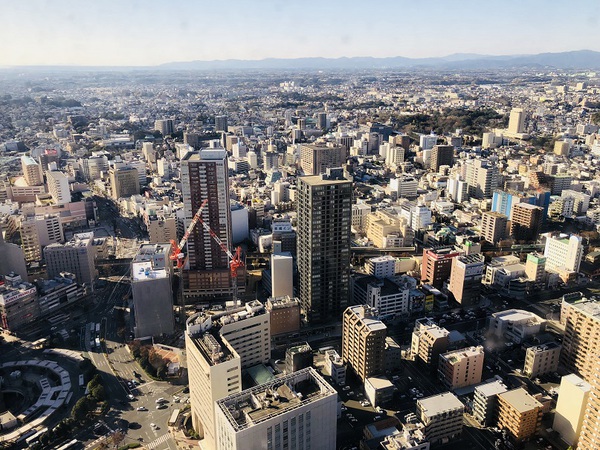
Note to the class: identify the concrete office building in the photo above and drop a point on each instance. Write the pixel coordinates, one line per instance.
(526, 221)
(541, 359)
(32, 171)
(363, 341)
(323, 256)
(94, 166)
(315, 159)
(297, 411)
(573, 398)
(428, 341)
(165, 126)
(465, 278)
(442, 155)
(206, 275)
(221, 123)
(461, 368)
(384, 295)
(485, 402)
(581, 319)
(18, 302)
(38, 232)
(124, 182)
(218, 345)
(151, 279)
(519, 414)
(437, 265)
(161, 229)
(75, 256)
(493, 226)
(285, 315)
(282, 275)
(516, 325)
(298, 357)
(442, 416)
(381, 266)
(58, 187)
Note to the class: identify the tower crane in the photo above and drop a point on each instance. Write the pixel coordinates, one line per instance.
(235, 259)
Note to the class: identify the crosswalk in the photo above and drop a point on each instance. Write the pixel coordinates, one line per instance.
(156, 442)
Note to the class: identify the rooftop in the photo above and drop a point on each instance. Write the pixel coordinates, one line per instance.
(143, 271)
(268, 400)
(458, 355)
(516, 315)
(520, 400)
(438, 404)
(492, 388)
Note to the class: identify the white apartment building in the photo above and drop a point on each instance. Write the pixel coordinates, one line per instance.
(282, 275)
(442, 416)
(381, 266)
(298, 411)
(573, 398)
(58, 187)
(563, 252)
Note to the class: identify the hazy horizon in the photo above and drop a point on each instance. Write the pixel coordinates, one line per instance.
(150, 33)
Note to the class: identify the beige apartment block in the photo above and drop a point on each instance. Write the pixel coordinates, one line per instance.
(519, 413)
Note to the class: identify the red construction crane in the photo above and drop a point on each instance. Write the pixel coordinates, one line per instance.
(235, 260)
(176, 254)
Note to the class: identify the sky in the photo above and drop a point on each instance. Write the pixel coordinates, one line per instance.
(152, 32)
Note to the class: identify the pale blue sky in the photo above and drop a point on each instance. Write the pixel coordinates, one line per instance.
(148, 32)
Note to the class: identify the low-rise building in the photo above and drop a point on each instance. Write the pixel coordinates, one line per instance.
(461, 368)
(298, 357)
(18, 302)
(382, 294)
(442, 416)
(516, 325)
(285, 315)
(335, 367)
(542, 359)
(485, 402)
(379, 390)
(519, 413)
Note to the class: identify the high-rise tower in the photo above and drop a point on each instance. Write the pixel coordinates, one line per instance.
(324, 220)
(204, 175)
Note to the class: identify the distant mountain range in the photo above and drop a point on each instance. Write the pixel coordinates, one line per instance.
(582, 59)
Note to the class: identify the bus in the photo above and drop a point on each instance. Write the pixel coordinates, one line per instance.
(26, 435)
(68, 445)
(81, 380)
(34, 438)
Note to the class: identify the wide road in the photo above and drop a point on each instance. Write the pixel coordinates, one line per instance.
(117, 368)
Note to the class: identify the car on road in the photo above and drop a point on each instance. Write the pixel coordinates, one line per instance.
(161, 406)
(141, 408)
(153, 425)
(130, 397)
(346, 388)
(161, 400)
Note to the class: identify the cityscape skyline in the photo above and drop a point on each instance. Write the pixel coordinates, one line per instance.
(112, 34)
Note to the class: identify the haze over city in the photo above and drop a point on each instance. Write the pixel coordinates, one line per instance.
(146, 33)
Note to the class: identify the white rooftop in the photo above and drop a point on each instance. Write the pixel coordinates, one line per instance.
(142, 271)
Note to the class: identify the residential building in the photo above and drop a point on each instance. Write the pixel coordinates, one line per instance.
(363, 341)
(13, 258)
(412, 437)
(32, 171)
(482, 178)
(218, 345)
(573, 398)
(381, 266)
(516, 325)
(285, 315)
(221, 123)
(324, 221)
(504, 201)
(161, 229)
(519, 414)
(206, 274)
(383, 295)
(315, 159)
(94, 166)
(442, 155)
(563, 252)
(335, 367)
(442, 416)
(58, 187)
(379, 390)
(581, 319)
(75, 256)
(516, 121)
(39, 231)
(485, 402)
(541, 359)
(124, 182)
(360, 211)
(465, 278)
(526, 221)
(493, 226)
(151, 280)
(295, 411)
(165, 126)
(461, 368)
(437, 265)
(428, 341)
(535, 268)
(404, 186)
